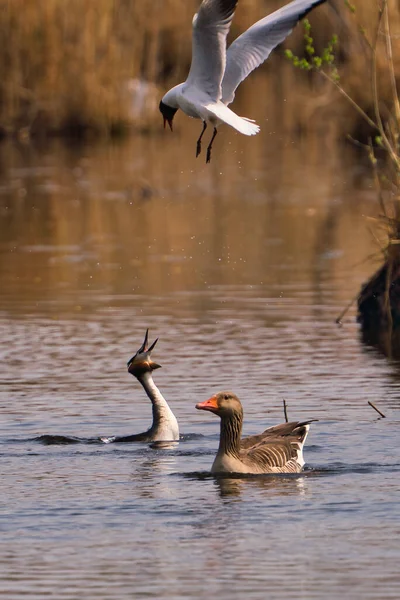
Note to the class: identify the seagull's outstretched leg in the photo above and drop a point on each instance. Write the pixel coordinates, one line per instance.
(210, 145)
(198, 148)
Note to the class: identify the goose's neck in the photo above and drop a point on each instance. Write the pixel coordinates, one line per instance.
(163, 417)
(231, 431)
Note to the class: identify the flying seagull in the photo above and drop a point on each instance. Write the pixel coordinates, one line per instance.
(216, 72)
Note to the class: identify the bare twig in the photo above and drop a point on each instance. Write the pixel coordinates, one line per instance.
(375, 94)
(391, 63)
(377, 409)
(374, 256)
(357, 142)
(373, 161)
(339, 319)
(285, 410)
(382, 248)
(354, 104)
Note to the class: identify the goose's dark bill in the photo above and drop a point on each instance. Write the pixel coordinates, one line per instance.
(165, 427)
(144, 348)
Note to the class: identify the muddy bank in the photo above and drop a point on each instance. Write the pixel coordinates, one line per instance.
(379, 306)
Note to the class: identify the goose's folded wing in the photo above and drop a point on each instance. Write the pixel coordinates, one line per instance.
(275, 454)
(254, 46)
(295, 430)
(210, 28)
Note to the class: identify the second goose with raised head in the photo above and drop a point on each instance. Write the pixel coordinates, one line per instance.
(165, 426)
(278, 450)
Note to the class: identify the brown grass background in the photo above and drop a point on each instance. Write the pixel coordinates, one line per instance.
(69, 65)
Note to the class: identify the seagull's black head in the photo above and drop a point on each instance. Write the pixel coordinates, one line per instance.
(168, 113)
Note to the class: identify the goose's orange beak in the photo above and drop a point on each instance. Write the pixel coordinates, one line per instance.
(210, 404)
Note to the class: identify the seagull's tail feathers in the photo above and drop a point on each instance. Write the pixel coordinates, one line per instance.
(226, 115)
(247, 127)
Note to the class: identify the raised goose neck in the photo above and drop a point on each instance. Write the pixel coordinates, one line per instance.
(231, 431)
(164, 421)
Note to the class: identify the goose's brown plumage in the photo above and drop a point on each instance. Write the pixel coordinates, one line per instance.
(276, 450)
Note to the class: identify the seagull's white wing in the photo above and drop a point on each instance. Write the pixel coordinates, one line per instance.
(254, 46)
(210, 28)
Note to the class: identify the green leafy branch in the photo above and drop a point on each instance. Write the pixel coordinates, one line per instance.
(387, 130)
(387, 133)
(325, 65)
(312, 60)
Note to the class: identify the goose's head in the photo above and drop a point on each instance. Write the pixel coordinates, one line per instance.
(223, 404)
(168, 112)
(141, 362)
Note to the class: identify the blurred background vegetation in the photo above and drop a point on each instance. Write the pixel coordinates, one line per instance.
(100, 66)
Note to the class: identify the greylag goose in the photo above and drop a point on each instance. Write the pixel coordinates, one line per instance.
(279, 449)
(165, 426)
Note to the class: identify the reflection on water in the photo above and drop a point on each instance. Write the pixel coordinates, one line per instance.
(241, 268)
(386, 339)
(77, 222)
(280, 486)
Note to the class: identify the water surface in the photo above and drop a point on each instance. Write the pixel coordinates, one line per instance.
(240, 268)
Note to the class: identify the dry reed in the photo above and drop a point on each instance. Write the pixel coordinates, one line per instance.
(79, 65)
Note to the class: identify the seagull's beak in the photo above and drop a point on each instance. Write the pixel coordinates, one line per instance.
(169, 121)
